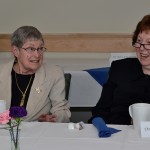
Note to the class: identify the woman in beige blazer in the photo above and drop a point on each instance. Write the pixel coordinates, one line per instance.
(26, 81)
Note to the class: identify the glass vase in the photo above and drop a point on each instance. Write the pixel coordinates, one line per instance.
(15, 138)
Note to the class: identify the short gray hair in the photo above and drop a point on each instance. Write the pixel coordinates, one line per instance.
(22, 34)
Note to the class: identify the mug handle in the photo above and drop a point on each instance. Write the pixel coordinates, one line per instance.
(130, 112)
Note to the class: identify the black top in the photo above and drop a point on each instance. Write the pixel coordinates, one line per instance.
(23, 81)
(127, 84)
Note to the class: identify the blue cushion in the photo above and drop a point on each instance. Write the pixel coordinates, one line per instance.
(99, 74)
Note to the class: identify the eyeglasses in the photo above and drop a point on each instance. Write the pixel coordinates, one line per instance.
(31, 50)
(138, 45)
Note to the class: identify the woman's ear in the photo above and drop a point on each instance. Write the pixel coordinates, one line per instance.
(15, 50)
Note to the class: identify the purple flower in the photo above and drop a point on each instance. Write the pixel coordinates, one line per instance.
(17, 111)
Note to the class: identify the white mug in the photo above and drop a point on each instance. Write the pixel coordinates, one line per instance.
(139, 112)
(2, 106)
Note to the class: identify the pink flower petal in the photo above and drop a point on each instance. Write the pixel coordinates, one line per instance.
(4, 117)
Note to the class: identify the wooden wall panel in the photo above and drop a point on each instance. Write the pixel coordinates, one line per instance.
(80, 42)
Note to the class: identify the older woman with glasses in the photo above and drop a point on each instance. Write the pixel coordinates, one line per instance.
(128, 82)
(26, 81)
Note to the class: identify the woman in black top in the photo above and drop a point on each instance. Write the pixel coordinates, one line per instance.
(128, 82)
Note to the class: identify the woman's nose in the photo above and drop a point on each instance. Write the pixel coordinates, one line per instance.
(36, 52)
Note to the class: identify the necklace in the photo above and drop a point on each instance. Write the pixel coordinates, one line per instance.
(23, 94)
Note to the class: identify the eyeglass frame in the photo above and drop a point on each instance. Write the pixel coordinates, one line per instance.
(32, 49)
(140, 44)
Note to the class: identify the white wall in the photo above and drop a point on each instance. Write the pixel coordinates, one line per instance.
(73, 16)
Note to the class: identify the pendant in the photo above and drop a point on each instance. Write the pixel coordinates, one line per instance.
(22, 100)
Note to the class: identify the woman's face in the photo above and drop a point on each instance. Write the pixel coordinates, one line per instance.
(143, 54)
(29, 61)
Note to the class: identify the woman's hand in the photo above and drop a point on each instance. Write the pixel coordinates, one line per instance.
(47, 118)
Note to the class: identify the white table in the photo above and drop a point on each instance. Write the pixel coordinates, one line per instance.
(57, 136)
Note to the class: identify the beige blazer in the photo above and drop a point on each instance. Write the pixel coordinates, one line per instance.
(47, 95)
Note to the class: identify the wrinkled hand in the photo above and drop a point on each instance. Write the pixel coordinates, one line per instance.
(47, 118)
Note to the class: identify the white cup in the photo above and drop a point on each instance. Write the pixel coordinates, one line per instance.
(2, 106)
(139, 112)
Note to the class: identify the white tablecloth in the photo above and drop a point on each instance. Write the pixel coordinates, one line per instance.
(57, 136)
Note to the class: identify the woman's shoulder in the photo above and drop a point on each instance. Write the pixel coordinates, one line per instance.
(6, 64)
(128, 67)
(127, 63)
(53, 69)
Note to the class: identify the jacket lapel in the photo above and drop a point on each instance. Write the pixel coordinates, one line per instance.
(37, 91)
